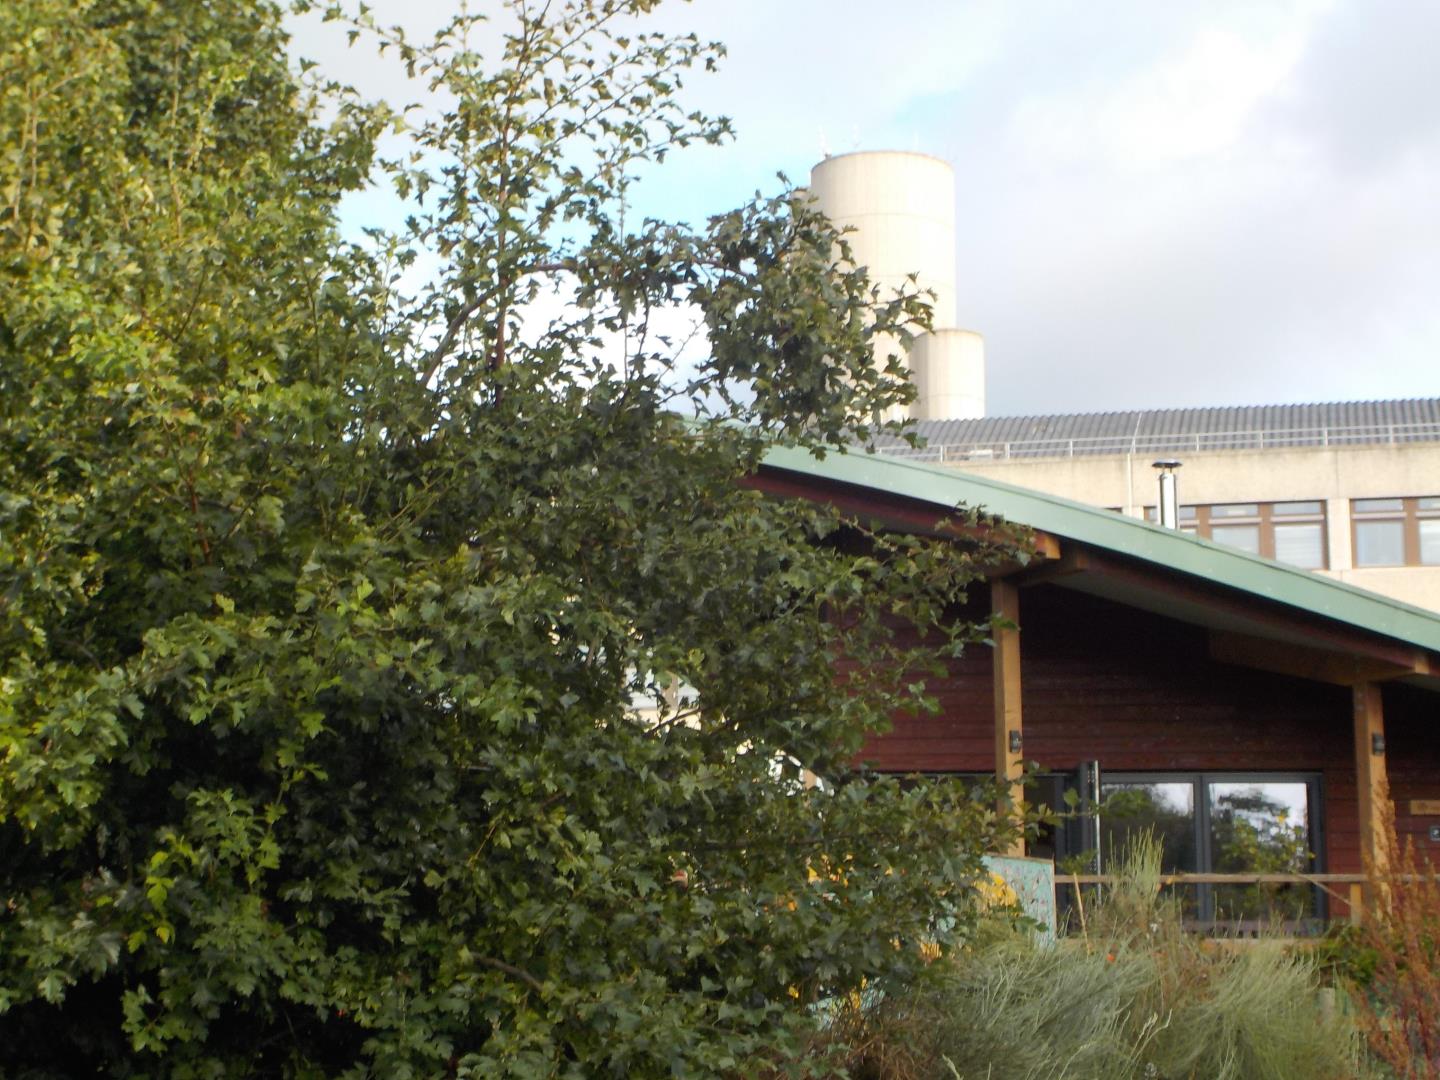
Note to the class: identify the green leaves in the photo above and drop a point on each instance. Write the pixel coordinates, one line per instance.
(396, 684)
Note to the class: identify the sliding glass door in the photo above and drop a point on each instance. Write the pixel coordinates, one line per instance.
(1251, 823)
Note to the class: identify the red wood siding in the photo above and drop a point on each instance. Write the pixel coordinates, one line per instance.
(1412, 741)
(1138, 691)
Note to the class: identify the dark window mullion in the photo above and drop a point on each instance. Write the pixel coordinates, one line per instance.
(1412, 531)
(1204, 859)
(1267, 530)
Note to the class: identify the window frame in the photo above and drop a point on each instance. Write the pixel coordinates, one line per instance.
(1204, 857)
(1409, 515)
(1203, 522)
(1199, 780)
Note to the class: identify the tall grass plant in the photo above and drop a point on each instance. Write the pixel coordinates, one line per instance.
(1394, 975)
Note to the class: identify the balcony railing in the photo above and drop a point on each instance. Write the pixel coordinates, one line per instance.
(1171, 443)
(1345, 887)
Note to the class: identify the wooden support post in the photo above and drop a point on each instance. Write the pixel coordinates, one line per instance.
(1357, 904)
(1370, 779)
(1009, 723)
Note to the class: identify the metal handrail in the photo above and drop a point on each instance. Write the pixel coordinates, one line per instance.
(1171, 442)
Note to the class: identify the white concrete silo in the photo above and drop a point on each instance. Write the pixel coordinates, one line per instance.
(901, 207)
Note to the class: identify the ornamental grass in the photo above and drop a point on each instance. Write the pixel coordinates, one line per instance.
(1134, 996)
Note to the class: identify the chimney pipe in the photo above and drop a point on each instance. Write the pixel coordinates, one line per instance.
(1169, 500)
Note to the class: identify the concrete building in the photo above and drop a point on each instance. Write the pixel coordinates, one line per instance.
(1351, 491)
(1348, 490)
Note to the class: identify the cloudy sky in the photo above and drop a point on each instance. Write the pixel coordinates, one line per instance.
(1158, 204)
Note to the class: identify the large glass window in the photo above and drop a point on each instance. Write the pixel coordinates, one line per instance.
(1216, 823)
(1289, 532)
(1396, 531)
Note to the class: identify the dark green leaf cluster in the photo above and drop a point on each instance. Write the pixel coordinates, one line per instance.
(391, 684)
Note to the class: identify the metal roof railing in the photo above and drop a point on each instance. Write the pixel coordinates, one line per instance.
(1170, 443)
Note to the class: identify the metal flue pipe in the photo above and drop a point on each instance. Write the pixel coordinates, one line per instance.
(1169, 498)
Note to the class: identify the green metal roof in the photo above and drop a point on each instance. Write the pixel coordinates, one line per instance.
(1105, 529)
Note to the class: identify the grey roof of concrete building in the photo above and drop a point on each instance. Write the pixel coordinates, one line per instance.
(1245, 427)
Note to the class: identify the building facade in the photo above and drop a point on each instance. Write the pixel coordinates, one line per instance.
(1351, 491)
(1275, 672)
(1189, 687)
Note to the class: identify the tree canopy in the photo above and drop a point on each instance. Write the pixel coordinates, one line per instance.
(393, 682)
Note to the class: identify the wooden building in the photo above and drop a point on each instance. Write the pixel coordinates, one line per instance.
(1221, 690)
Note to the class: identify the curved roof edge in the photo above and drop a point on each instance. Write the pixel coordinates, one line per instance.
(1105, 529)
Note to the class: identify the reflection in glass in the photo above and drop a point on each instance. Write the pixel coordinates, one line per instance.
(1260, 828)
(1430, 541)
(1217, 825)
(1166, 809)
(1291, 509)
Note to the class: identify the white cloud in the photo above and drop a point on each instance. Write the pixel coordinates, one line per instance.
(1239, 193)
(1194, 104)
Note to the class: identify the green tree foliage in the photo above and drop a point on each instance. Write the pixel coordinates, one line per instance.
(326, 603)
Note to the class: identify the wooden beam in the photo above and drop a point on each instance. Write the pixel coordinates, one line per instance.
(1187, 878)
(1071, 561)
(1046, 546)
(1009, 717)
(1161, 583)
(1370, 780)
(1306, 662)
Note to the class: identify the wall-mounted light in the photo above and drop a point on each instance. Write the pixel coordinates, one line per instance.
(1377, 744)
(1014, 741)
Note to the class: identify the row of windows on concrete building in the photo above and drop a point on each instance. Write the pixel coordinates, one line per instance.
(1385, 532)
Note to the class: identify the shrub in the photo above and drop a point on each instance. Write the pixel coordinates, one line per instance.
(1392, 960)
(1134, 997)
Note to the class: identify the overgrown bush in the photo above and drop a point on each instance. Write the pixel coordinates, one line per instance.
(1133, 997)
(342, 608)
(1391, 961)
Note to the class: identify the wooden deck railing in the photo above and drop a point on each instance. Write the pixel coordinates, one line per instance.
(1330, 883)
